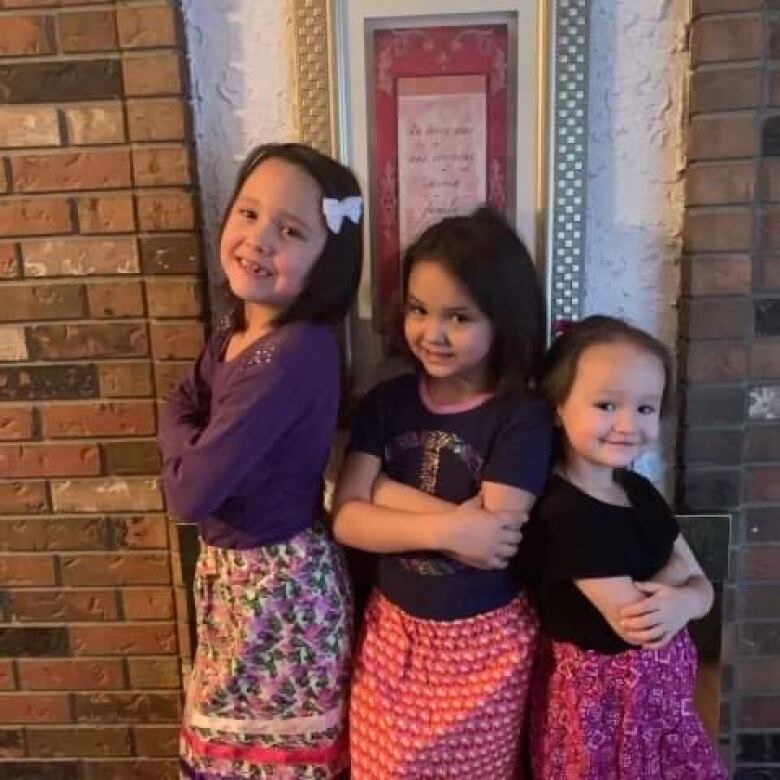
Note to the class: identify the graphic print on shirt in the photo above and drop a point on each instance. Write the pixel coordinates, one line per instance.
(418, 458)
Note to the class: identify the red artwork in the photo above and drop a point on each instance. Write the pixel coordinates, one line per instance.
(440, 118)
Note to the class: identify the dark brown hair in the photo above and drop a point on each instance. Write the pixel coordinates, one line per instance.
(333, 280)
(484, 253)
(560, 364)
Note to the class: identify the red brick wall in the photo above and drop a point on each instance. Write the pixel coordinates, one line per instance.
(731, 349)
(100, 306)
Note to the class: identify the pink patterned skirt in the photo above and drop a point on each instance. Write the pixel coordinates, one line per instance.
(619, 717)
(434, 699)
(267, 695)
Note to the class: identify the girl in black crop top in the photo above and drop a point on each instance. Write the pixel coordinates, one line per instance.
(615, 582)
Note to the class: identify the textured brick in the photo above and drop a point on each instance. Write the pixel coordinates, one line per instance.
(714, 230)
(148, 603)
(769, 184)
(21, 35)
(55, 533)
(127, 707)
(719, 318)
(762, 443)
(9, 262)
(146, 26)
(12, 743)
(165, 211)
(768, 273)
(115, 299)
(84, 31)
(758, 601)
(160, 166)
(123, 380)
(49, 460)
(34, 217)
(765, 359)
(71, 171)
(91, 742)
(715, 184)
(70, 674)
(718, 275)
(770, 228)
(724, 6)
(141, 532)
(21, 497)
(150, 74)
(760, 712)
(107, 495)
(726, 39)
(159, 672)
(13, 346)
(759, 675)
(156, 740)
(170, 255)
(25, 302)
(713, 447)
(175, 298)
(759, 563)
(39, 770)
(763, 486)
(34, 708)
(716, 361)
(16, 423)
(124, 639)
(135, 568)
(106, 214)
(168, 375)
(116, 418)
(761, 524)
(96, 124)
(722, 89)
(80, 257)
(177, 339)
(711, 490)
(62, 606)
(28, 126)
(131, 457)
(7, 683)
(47, 382)
(57, 342)
(155, 119)
(57, 81)
(27, 570)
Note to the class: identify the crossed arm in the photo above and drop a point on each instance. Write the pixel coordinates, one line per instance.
(651, 613)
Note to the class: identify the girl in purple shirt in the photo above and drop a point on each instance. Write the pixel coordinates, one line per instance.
(245, 439)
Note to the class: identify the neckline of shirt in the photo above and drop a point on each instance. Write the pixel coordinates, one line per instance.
(455, 408)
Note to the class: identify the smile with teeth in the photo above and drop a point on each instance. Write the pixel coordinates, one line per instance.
(254, 267)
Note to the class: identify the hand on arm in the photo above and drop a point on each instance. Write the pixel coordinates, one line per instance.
(610, 596)
(469, 532)
(667, 608)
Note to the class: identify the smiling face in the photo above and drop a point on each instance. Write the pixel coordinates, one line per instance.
(612, 413)
(445, 329)
(273, 235)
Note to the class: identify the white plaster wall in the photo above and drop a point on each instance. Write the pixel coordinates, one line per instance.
(241, 72)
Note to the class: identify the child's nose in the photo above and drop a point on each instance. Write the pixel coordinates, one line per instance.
(626, 421)
(260, 236)
(434, 330)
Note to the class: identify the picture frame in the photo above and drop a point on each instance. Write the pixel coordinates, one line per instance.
(547, 71)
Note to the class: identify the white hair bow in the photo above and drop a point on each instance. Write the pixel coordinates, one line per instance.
(335, 211)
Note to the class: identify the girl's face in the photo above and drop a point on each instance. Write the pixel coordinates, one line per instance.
(444, 328)
(612, 413)
(273, 235)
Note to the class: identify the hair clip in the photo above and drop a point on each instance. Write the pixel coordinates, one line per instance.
(335, 210)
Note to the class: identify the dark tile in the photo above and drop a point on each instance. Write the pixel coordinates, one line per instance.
(47, 382)
(44, 82)
(755, 773)
(708, 537)
(761, 524)
(707, 632)
(770, 137)
(33, 642)
(39, 770)
(767, 317)
(759, 638)
(712, 406)
(758, 748)
(710, 491)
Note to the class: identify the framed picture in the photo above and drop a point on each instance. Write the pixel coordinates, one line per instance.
(439, 105)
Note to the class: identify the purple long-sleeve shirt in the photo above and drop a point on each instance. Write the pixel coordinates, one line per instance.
(245, 442)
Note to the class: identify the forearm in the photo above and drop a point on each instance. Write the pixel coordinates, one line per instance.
(395, 495)
(699, 595)
(381, 530)
(675, 573)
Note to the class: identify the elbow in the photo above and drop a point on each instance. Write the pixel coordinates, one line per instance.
(188, 504)
(341, 521)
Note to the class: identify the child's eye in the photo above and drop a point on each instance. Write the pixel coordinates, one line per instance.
(606, 406)
(460, 319)
(288, 231)
(247, 213)
(647, 409)
(414, 309)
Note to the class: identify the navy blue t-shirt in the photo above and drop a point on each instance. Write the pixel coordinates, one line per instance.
(507, 439)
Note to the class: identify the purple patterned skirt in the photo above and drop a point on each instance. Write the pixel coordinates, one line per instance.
(619, 717)
(267, 695)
